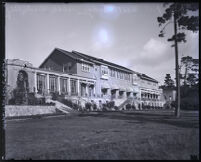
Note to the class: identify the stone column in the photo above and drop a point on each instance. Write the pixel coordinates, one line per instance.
(94, 90)
(140, 94)
(87, 89)
(48, 83)
(35, 82)
(69, 86)
(116, 93)
(58, 85)
(78, 87)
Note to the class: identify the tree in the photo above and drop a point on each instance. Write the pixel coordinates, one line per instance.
(191, 70)
(182, 21)
(168, 82)
(187, 62)
(191, 80)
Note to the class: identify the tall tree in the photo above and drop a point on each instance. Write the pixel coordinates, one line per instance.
(182, 20)
(187, 63)
(191, 79)
(191, 68)
(168, 82)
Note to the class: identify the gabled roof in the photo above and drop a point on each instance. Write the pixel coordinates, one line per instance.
(144, 76)
(100, 61)
(90, 59)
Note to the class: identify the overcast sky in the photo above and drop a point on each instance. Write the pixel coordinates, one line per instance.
(123, 33)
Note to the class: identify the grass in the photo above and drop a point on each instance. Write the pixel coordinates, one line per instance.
(105, 135)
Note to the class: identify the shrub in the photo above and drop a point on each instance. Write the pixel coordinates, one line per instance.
(67, 102)
(88, 106)
(133, 107)
(11, 101)
(128, 106)
(75, 106)
(31, 99)
(55, 95)
(94, 106)
(104, 107)
(50, 104)
(116, 108)
(112, 104)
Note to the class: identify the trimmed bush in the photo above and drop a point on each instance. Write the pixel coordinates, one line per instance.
(128, 106)
(133, 107)
(104, 107)
(11, 101)
(54, 95)
(88, 106)
(94, 106)
(116, 108)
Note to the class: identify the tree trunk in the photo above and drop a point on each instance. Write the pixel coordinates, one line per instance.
(177, 110)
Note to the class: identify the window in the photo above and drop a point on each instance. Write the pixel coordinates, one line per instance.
(112, 72)
(121, 75)
(127, 76)
(118, 75)
(41, 83)
(53, 84)
(104, 71)
(73, 87)
(64, 85)
(85, 67)
(67, 67)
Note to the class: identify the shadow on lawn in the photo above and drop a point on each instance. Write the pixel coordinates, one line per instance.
(185, 121)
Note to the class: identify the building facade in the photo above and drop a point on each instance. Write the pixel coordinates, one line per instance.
(74, 74)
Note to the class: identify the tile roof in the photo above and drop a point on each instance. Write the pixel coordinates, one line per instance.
(83, 57)
(144, 76)
(80, 56)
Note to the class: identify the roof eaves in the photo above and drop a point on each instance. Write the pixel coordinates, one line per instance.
(47, 57)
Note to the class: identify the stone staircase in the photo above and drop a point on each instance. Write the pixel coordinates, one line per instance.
(119, 101)
(61, 107)
(127, 101)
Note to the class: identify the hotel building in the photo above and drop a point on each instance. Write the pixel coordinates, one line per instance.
(79, 76)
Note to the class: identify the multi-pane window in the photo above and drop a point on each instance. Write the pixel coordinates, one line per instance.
(118, 75)
(121, 75)
(73, 86)
(85, 67)
(41, 83)
(67, 67)
(64, 85)
(112, 72)
(127, 76)
(104, 71)
(53, 84)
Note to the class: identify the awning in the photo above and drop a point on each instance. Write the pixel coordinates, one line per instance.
(105, 86)
(122, 89)
(129, 89)
(136, 90)
(114, 86)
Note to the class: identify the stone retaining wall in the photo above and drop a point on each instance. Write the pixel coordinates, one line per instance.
(27, 110)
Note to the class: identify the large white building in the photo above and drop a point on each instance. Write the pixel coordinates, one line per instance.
(82, 77)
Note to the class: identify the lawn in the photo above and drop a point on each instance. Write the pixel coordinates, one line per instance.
(105, 135)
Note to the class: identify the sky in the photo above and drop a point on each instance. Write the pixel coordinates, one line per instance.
(122, 33)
